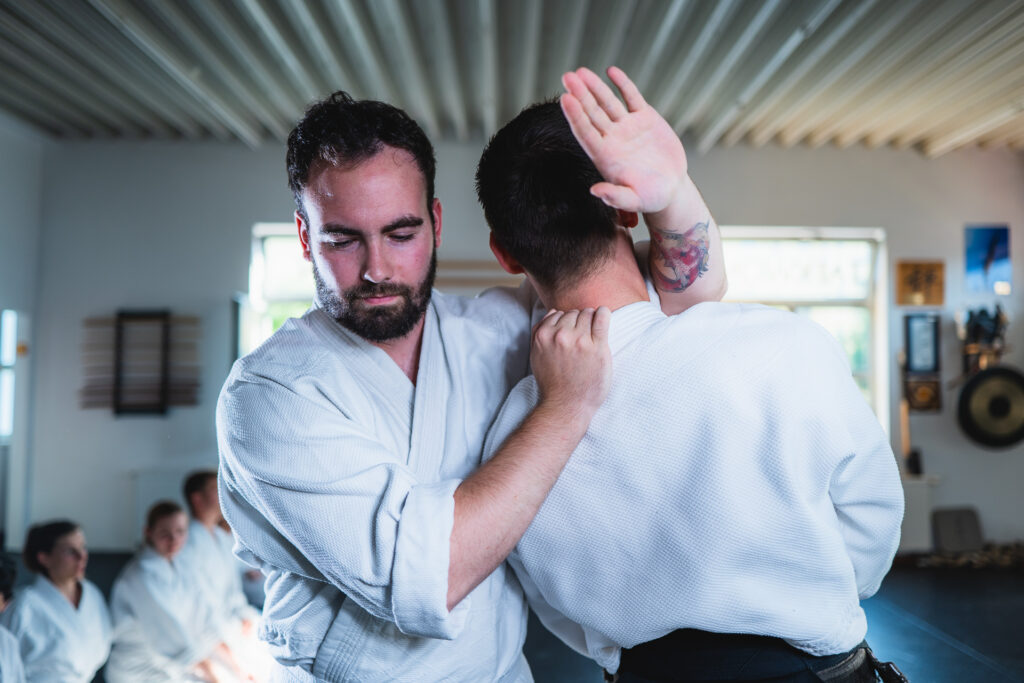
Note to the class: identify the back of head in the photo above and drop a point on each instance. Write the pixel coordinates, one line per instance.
(533, 181)
(161, 510)
(339, 131)
(41, 538)
(196, 482)
(8, 575)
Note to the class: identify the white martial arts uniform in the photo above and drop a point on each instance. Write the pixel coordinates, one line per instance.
(11, 670)
(734, 481)
(162, 626)
(59, 643)
(337, 477)
(208, 556)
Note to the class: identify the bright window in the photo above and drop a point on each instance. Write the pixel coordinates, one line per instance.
(280, 284)
(833, 276)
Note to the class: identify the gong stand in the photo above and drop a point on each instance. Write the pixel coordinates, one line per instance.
(991, 405)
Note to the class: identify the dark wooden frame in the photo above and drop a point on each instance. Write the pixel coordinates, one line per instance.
(124, 320)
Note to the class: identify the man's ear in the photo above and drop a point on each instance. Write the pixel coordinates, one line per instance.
(505, 260)
(303, 229)
(628, 219)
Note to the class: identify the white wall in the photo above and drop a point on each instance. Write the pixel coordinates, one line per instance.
(162, 225)
(21, 178)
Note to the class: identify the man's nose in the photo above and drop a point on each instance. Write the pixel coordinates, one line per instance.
(376, 268)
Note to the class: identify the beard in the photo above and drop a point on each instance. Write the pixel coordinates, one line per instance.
(377, 323)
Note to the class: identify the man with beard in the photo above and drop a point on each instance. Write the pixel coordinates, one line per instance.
(350, 441)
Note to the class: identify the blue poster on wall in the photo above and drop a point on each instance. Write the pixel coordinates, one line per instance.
(987, 255)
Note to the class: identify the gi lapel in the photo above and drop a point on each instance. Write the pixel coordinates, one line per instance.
(430, 403)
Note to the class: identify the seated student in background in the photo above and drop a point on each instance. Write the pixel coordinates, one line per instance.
(11, 669)
(208, 553)
(60, 619)
(734, 498)
(163, 629)
(208, 556)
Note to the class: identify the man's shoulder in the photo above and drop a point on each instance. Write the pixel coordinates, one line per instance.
(497, 307)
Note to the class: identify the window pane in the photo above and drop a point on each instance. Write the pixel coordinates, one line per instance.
(6, 403)
(798, 270)
(851, 325)
(280, 311)
(286, 275)
(8, 337)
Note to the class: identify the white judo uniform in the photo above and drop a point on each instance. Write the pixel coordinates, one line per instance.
(162, 626)
(734, 481)
(337, 476)
(11, 669)
(59, 643)
(208, 556)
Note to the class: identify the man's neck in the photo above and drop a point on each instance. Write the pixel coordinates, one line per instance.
(615, 283)
(405, 351)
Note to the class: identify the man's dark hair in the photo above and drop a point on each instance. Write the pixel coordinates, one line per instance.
(42, 538)
(195, 483)
(8, 575)
(160, 510)
(339, 130)
(533, 182)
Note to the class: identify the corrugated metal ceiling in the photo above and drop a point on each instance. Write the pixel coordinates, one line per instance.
(933, 74)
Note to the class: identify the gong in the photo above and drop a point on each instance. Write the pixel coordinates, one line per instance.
(991, 409)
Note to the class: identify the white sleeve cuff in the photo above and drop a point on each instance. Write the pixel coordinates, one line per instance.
(419, 577)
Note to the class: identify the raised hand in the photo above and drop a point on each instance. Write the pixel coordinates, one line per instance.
(641, 158)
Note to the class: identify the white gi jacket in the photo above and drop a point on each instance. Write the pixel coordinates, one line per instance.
(162, 626)
(733, 481)
(208, 557)
(337, 475)
(11, 670)
(59, 643)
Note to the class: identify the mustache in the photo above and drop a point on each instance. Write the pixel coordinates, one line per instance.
(371, 289)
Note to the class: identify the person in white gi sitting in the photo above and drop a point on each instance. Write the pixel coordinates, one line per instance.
(60, 619)
(208, 555)
(11, 669)
(163, 629)
(734, 497)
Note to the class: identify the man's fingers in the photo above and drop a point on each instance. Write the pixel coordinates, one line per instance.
(617, 196)
(602, 94)
(582, 92)
(568, 319)
(630, 93)
(585, 320)
(588, 136)
(600, 324)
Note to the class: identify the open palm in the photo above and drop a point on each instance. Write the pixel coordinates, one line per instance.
(636, 151)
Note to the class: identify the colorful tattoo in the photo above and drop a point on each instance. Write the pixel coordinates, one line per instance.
(680, 259)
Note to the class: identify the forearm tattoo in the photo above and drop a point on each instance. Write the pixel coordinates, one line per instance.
(680, 258)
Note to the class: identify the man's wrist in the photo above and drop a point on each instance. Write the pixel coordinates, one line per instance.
(685, 209)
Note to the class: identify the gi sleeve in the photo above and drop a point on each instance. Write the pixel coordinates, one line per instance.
(308, 490)
(865, 487)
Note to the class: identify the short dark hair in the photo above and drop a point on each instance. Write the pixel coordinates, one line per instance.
(195, 482)
(41, 538)
(533, 181)
(339, 130)
(8, 575)
(161, 509)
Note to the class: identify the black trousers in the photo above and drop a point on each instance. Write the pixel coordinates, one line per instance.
(692, 656)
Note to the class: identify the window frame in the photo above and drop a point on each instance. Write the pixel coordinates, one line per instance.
(876, 301)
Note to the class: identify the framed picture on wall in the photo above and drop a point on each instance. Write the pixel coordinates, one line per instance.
(921, 336)
(920, 283)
